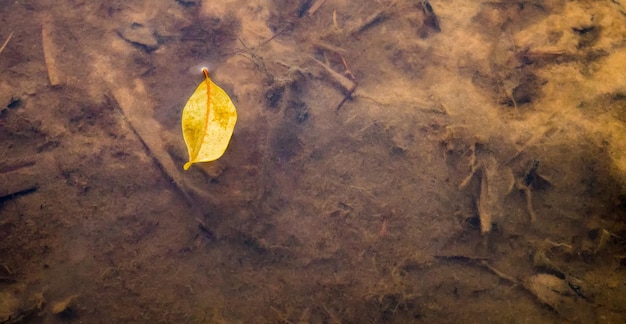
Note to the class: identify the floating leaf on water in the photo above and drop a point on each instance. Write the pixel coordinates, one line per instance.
(208, 121)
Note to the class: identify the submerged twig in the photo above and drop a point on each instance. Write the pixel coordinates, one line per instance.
(345, 83)
(329, 47)
(119, 106)
(499, 273)
(50, 51)
(473, 168)
(480, 262)
(315, 6)
(348, 86)
(376, 17)
(6, 42)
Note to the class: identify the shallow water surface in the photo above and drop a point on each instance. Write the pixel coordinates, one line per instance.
(393, 162)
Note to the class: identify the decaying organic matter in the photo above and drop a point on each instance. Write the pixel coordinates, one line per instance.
(394, 161)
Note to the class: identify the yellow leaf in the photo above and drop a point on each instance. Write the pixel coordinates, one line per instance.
(209, 118)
